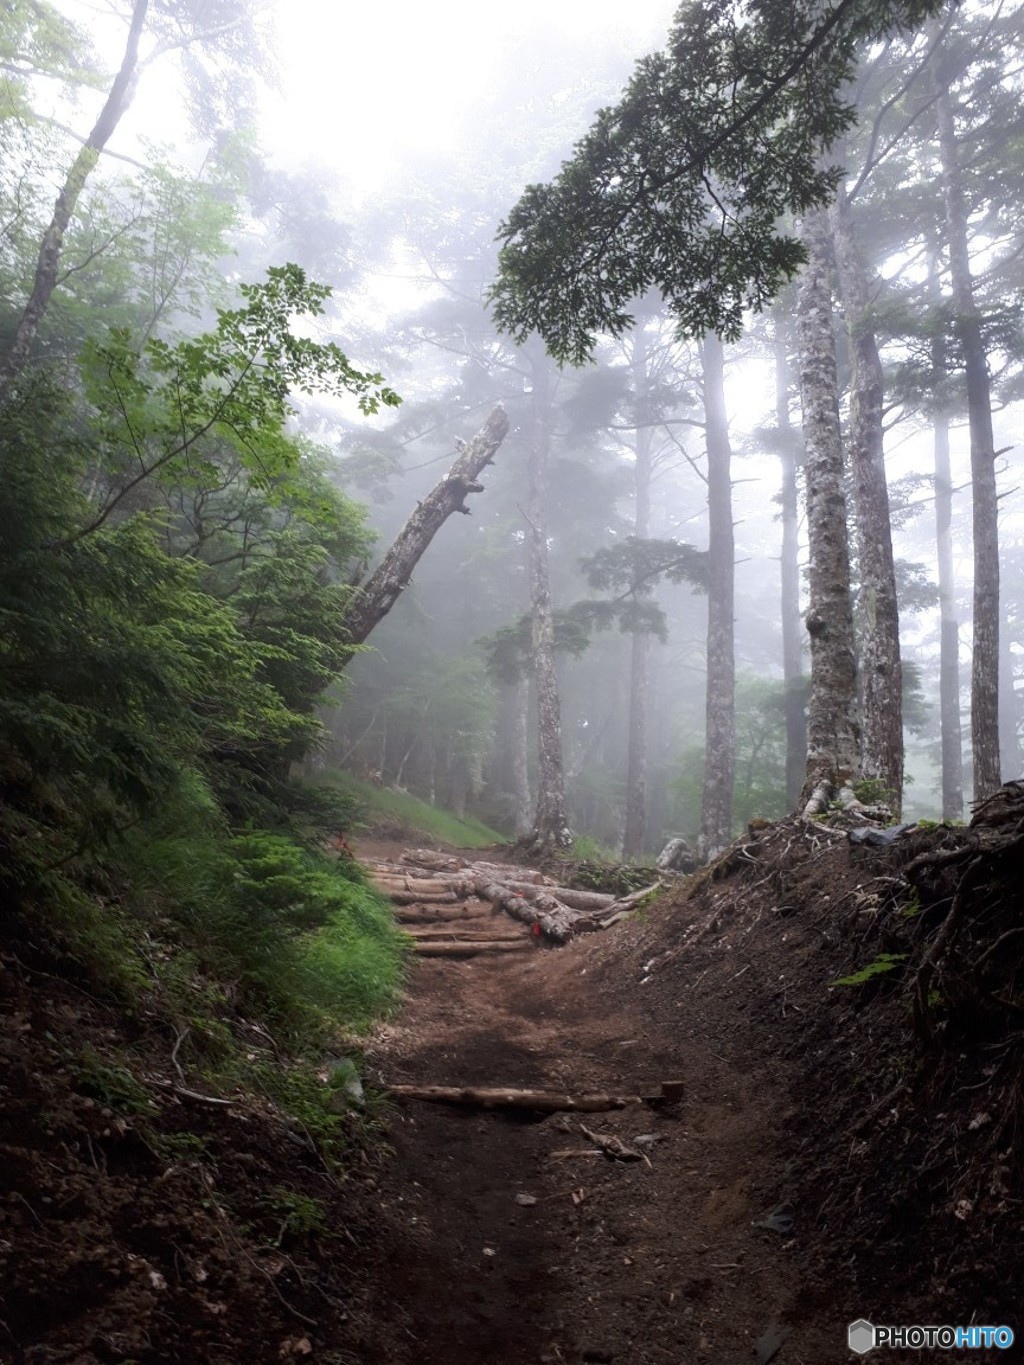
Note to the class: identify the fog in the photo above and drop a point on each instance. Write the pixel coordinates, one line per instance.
(380, 149)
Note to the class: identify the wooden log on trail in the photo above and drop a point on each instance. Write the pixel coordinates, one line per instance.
(556, 922)
(545, 1101)
(411, 914)
(418, 898)
(441, 912)
(428, 857)
(555, 912)
(424, 933)
(389, 882)
(474, 949)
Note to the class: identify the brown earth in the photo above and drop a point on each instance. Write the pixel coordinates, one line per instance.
(837, 1153)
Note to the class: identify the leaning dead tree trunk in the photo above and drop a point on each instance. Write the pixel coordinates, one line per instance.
(52, 245)
(385, 585)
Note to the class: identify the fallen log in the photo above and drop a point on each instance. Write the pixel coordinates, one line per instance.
(410, 914)
(545, 1101)
(426, 886)
(423, 933)
(556, 912)
(418, 898)
(556, 922)
(470, 949)
(428, 857)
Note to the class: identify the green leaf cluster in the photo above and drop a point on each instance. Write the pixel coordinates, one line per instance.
(171, 601)
(681, 186)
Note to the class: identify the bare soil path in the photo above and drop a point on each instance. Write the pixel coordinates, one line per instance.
(512, 1238)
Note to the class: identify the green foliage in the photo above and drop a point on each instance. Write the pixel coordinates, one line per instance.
(297, 934)
(300, 1215)
(631, 569)
(884, 962)
(759, 790)
(113, 1086)
(153, 703)
(872, 791)
(682, 184)
(585, 849)
(385, 806)
(635, 565)
(165, 412)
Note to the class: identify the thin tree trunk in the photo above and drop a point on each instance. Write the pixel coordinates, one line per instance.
(967, 322)
(1009, 741)
(385, 585)
(48, 262)
(550, 826)
(634, 839)
(880, 668)
(520, 739)
(792, 626)
(833, 739)
(635, 833)
(720, 705)
(951, 729)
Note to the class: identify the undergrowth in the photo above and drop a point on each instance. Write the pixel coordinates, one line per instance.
(396, 809)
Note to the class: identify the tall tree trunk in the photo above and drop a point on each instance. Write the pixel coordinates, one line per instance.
(951, 729)
(967, 323)
(381, 591)
(550, 826)
(833, 738)
(48, 262)
(792, 626)
(634, 836)
(634, 839)
(1009, 739)
(720, 704)
(880, 668)
(523, 815)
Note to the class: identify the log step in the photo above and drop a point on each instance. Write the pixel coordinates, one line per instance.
(470, 949)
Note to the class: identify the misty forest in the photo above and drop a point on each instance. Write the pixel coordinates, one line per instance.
(511, 680)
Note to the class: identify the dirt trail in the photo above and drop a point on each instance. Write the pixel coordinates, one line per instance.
(687, 1256)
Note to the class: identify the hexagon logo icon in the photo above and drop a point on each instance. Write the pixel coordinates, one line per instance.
(861, 1336)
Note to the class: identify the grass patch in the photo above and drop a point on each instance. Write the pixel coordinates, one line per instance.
(380, 806)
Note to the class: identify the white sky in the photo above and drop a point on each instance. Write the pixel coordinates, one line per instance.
(365, 85)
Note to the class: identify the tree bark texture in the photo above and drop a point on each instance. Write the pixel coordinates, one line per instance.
(951, 730)
(949, 630)
(881, 672)
(550, 826)
(967, 323)
(833, 734)
(792, 626)
(635, 833)
(118, 99)
(520, 739)
(720, 703)
(385, 585)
